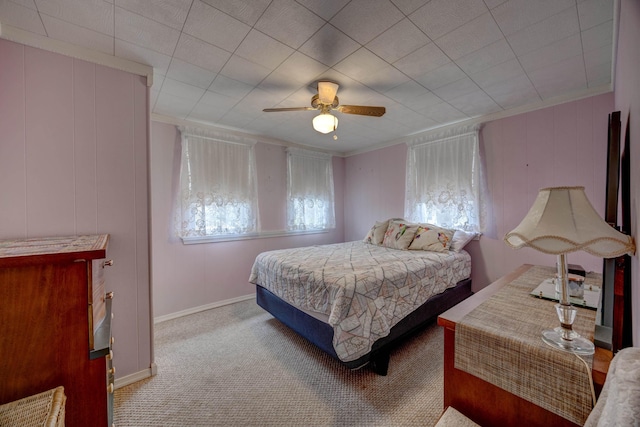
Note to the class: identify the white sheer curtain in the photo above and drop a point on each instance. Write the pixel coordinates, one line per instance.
(310, 201)
(218, 192)
(445, 182)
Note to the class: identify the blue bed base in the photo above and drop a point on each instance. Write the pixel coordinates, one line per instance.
(321, 334)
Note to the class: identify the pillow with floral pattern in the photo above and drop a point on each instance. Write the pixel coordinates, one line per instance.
(431, 238)
(399, 234)
(376, 233)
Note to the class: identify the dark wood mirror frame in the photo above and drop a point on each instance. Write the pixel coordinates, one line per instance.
(613, 330)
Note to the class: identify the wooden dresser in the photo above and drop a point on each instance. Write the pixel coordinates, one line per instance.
(476, 398)
(55, 324)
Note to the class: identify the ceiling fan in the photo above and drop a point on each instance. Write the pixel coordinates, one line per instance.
(325, 101)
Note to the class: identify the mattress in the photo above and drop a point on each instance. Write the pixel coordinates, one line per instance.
(361, 290)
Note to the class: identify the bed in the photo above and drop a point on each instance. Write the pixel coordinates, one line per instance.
(355, 300)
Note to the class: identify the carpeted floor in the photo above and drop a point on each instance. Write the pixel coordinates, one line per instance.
(238, 366)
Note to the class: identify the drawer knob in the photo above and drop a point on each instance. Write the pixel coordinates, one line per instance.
(110, 388)
(106, 263)
(109, 295)
(112, 340)
(110, 355)
(112, 370)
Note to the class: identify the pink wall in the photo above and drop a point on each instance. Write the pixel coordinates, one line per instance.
(187, 277)
(561, 145)
(627, 101)
(73, 160)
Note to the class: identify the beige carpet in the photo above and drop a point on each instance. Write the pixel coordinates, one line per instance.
(238, 366)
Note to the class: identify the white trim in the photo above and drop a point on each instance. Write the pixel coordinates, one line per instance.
(249, 236)
(136, 376)
(198, 309)
(17, 35)
(261, 138)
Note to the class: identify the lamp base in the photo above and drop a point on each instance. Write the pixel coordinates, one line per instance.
(577, 345)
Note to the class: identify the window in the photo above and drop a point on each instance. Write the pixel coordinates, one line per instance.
(310, 204)
(218, 193)
(445, 180)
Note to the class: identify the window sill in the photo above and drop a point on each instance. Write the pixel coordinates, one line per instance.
(250, 236)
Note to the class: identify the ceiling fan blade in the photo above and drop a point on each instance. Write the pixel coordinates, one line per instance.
(276, 110)
(327, 91)
(362, 110)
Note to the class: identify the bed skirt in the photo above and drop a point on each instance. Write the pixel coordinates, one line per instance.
(321, 334)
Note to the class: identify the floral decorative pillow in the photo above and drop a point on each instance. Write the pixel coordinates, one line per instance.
(431, 238)
(376, 233)
(399, 234)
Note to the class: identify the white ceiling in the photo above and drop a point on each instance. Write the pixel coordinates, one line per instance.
(429, 62)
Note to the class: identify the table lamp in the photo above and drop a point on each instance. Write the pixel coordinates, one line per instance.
(562, 220)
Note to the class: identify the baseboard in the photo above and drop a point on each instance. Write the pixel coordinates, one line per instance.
(198, 309)
(136, 376)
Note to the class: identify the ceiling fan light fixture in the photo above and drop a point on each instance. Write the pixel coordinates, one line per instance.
(325, 123)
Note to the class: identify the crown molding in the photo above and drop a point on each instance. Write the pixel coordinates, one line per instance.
(17, 35)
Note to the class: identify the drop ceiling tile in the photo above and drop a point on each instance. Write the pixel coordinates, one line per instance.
(493, 3)
(93, 14)
(30, 4)
(364, 20)
(398, 41)
(145, 32)
(384, 79)
(172, 13)
(552, 53)
(441, 76)
(599, 74)
(215, 27)
(565, 77)
(456, 89)
(421, 61)
(409, 6)
(236, 120)
(597, 57)
(201, 53)
(263, 50)
(419, 103)
(515, 15)
(407, 91)
(182, 90)
(472, 36)
(546, 32)
(190, 74)
(443, 113)
(325, 9)
(173, 106)
(329, 46)
(245, 71)
(247, 11)
(206, 113)
(439, 17)
(220, 101)
(79, 36)
(475, 104)
(501, 72)
(229, 87)
(158, 61)
(513, 93)
(486, 57)
(598, 36)
(301, 69)
(21, 17)
(360, 64)
(289, 22)
(594, 12)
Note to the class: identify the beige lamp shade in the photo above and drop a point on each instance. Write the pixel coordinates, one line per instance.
(325, 123)
(563, 220)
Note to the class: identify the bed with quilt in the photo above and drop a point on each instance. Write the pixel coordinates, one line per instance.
(355, 300)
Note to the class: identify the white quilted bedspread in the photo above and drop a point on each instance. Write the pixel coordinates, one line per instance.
(364, 289)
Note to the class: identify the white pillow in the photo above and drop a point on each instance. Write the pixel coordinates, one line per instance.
(460, 240)
(376, 233)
